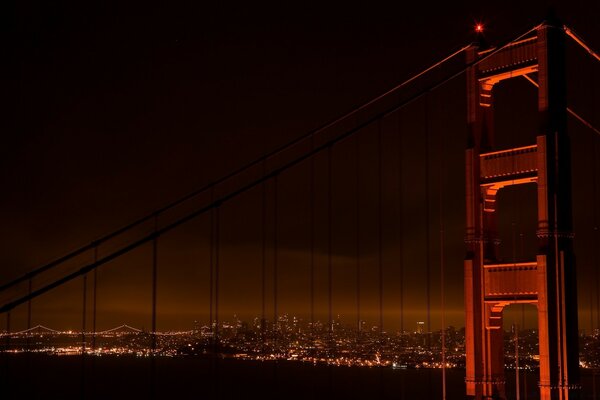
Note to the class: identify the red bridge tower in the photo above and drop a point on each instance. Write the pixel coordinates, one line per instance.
(548, 281)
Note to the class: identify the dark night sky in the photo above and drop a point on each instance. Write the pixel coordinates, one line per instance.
(120, 109)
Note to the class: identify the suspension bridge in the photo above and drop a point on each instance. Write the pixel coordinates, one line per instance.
(338, 245)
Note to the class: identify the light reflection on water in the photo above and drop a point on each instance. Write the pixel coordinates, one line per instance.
(111, 377)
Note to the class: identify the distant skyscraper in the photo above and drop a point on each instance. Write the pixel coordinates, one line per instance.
(420, 326)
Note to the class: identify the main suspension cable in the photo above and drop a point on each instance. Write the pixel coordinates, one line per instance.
(569, 109)
(235, 193)
(580, 42)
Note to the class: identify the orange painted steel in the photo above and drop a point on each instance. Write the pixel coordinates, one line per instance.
(548, 282)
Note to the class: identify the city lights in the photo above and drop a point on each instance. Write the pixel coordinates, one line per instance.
(289, 339)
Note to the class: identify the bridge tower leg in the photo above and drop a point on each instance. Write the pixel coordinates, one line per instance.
(549, 280)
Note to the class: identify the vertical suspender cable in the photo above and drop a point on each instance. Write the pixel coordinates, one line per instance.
(153, 333)
(427, 240)
(400, 226)
(441, 159)
(94, 292)
(83, 314)
(380, 224)
(357, 235)
(596, 219)
(427, 227)
(596, 234)
(29, 287)
(380, 245)
(83, 320)
(217, 268)
(330, 243)
(401, 237)
(263, 260)
(591, 300)
(276, 326)
(7, 330)
(330, 341)
(94, 299)
(312, 243)
(211, 278)
(211, 251)
(216, 239)
(357, 238)
(154, 276)
(594, 288)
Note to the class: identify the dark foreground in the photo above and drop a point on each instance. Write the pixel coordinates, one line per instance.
(38, 376)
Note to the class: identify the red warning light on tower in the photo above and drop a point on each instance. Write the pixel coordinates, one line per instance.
(479, 28)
